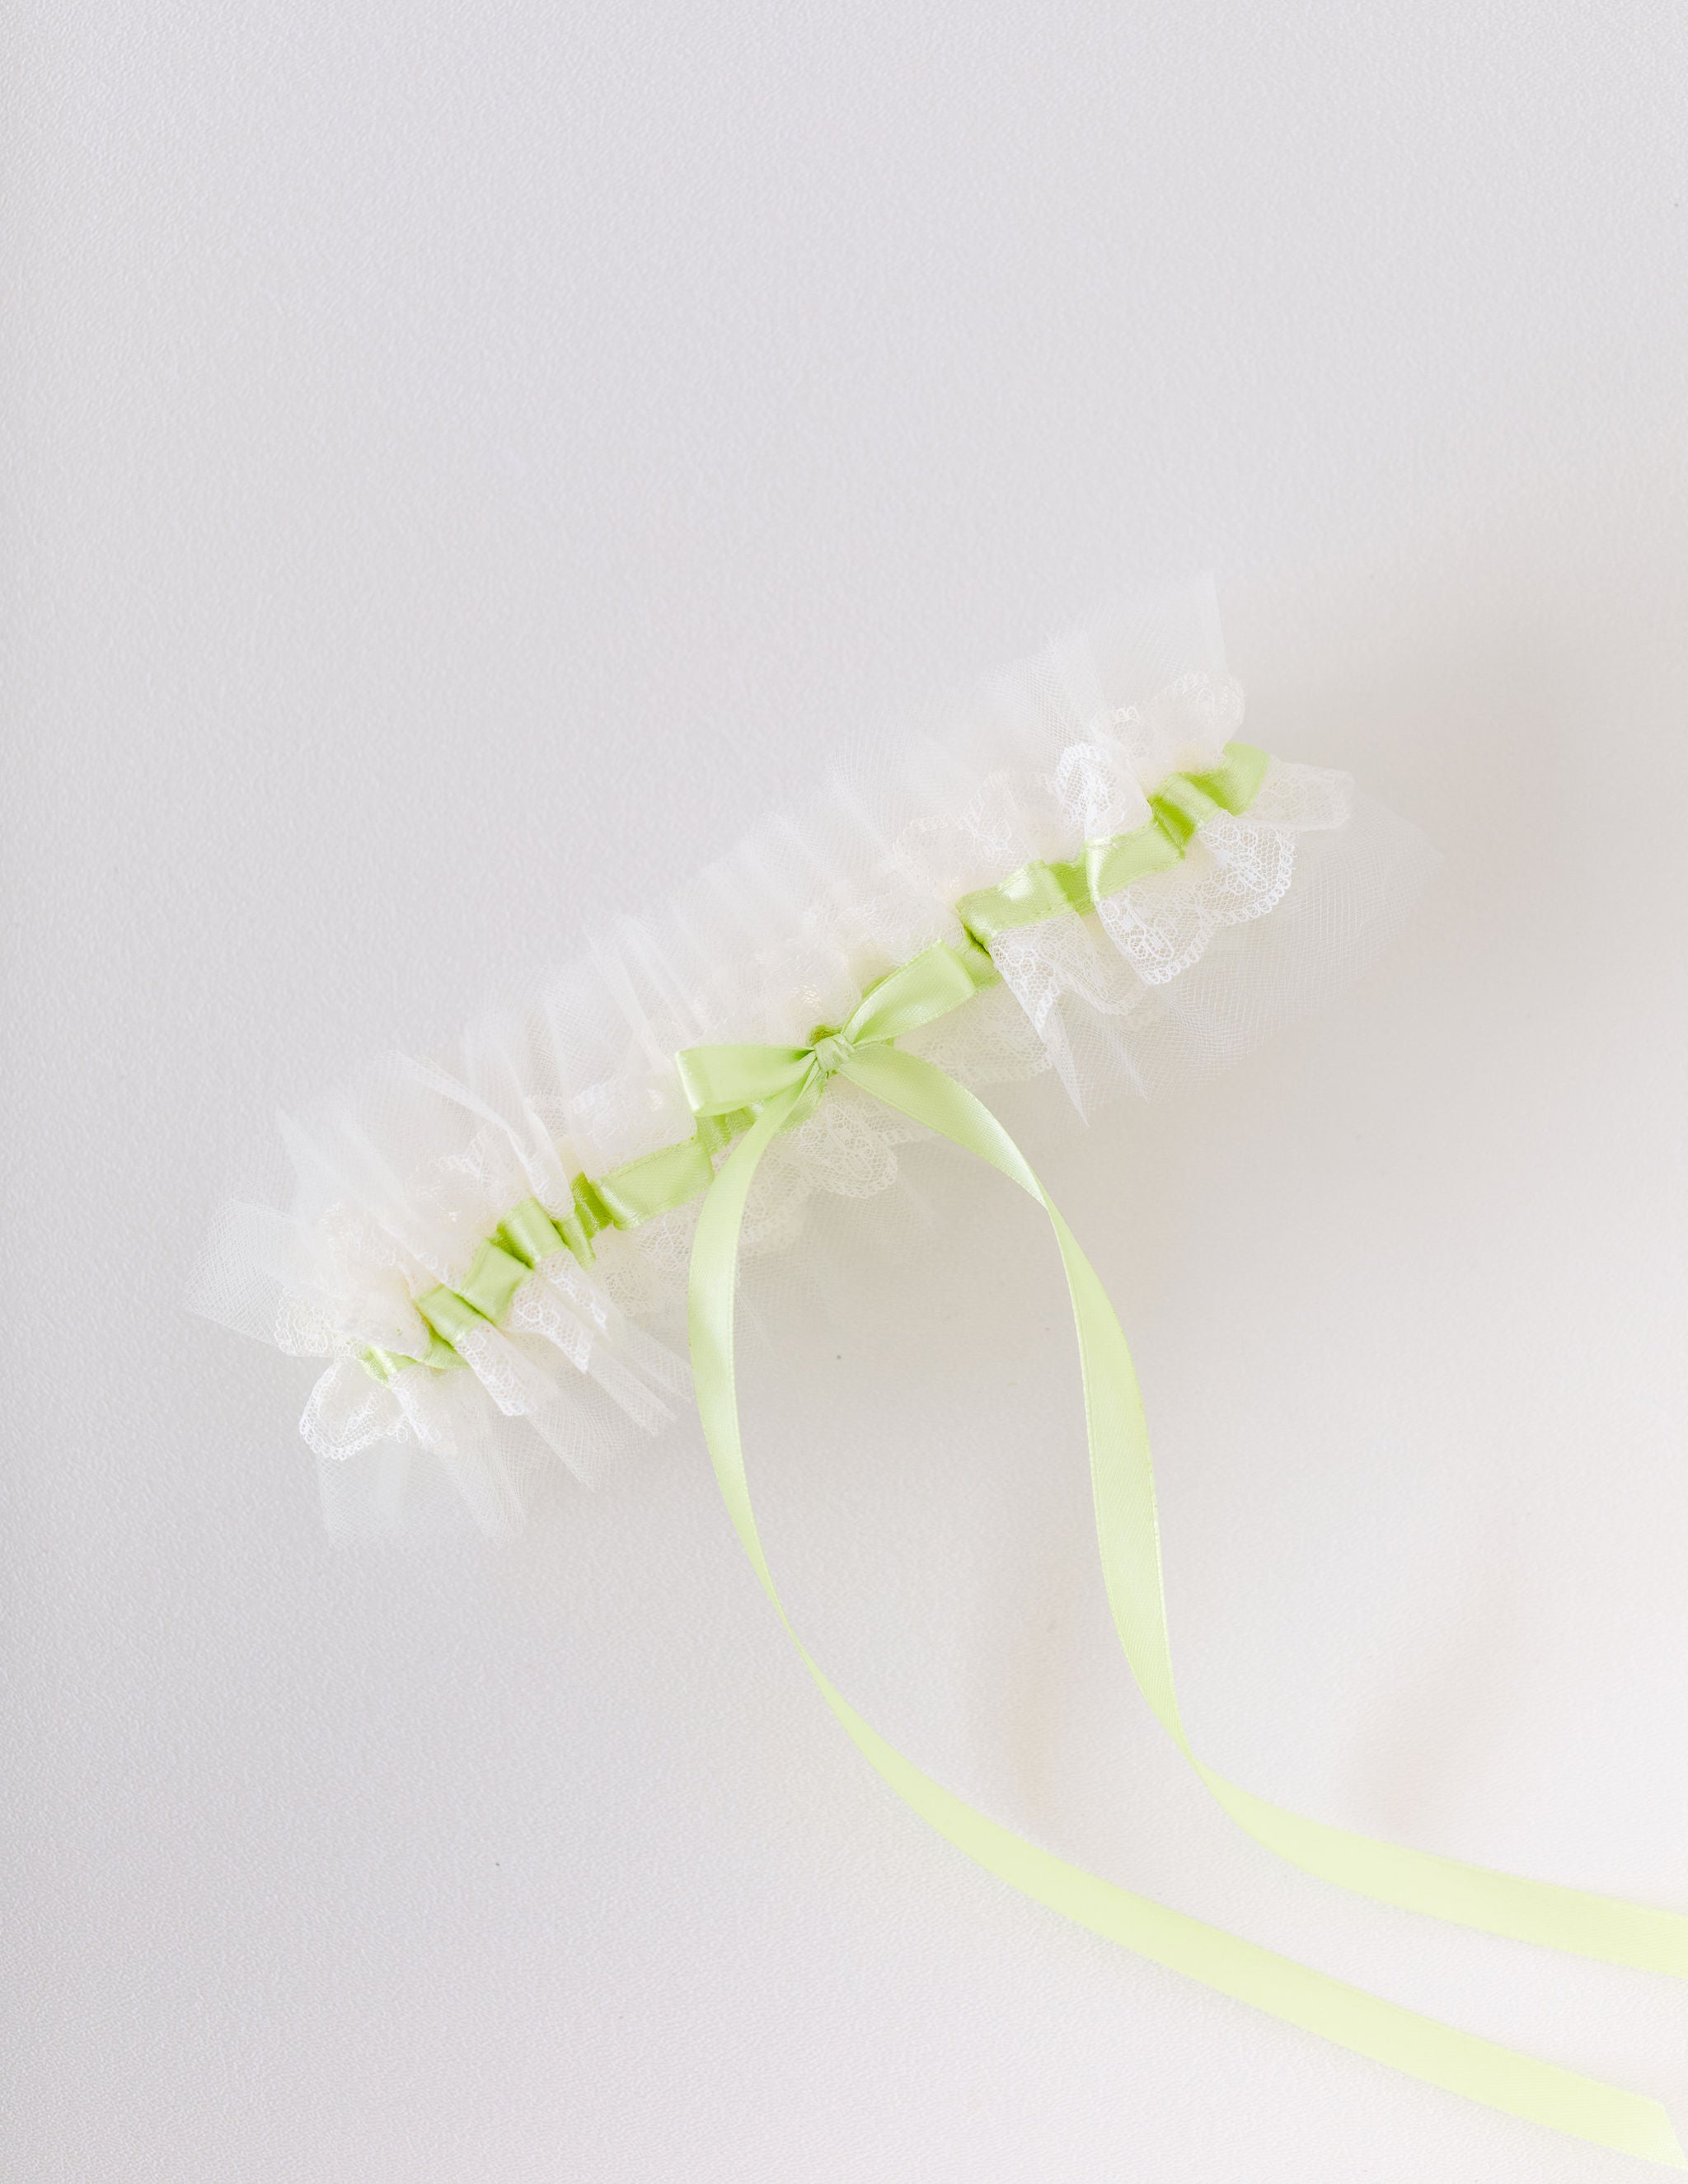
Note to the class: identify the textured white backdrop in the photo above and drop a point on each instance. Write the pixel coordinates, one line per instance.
(459, 461)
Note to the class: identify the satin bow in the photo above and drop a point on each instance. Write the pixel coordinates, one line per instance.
(718, 1080)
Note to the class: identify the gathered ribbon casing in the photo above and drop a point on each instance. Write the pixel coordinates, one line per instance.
(1179, 806)
(783, 1084)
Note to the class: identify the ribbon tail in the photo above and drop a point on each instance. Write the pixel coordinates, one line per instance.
(711, 1308)
(1521, 2085)
(1127, 1531)
(1544, 1912)
(1348, 2016)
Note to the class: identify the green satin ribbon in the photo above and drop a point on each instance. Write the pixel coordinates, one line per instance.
(785, 1083)
(528, 1233)
(1182, 803)
(386, 1365)
(640, 1189)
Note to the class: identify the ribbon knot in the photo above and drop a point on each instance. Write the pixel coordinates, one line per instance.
(832, 1049)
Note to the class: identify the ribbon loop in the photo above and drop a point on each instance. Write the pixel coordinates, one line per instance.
(717, 1079)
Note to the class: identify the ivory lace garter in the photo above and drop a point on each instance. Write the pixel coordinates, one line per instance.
(1094, 876)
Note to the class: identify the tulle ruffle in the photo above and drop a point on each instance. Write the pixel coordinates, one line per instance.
(402, 1178)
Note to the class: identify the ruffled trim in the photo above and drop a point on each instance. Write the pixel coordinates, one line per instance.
(402, 1180)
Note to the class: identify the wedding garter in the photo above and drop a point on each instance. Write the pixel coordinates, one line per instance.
(1091, 875)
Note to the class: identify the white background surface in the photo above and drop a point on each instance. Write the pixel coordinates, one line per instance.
(462, 460)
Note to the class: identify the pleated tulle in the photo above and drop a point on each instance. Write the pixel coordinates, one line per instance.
(400, 1176)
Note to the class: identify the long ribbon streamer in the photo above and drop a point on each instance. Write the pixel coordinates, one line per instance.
(784, 1084)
